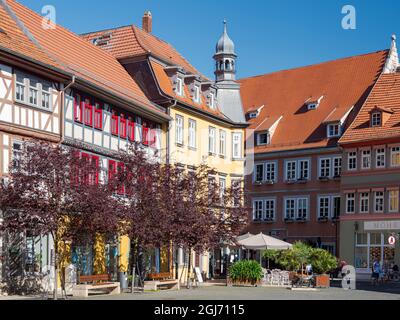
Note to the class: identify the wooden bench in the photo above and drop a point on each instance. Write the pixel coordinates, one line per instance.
(161, 280)
(99, 283)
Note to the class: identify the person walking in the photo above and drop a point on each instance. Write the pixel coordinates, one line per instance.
(376, 270)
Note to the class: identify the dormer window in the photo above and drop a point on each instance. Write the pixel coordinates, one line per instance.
(211, 102)
(253, 115)
(263, 139)
(334, 130)
(376, 119)
(313, 102)
(312, 106)
(179, 87)
(196, 94)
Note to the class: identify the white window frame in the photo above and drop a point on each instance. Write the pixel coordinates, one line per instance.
(212, 146)
(17, 155)
(259, 165)
(212, 100)
(273, 172)
(257, 209)
(334, 130)
(364, 198)
(374, 119)
(196, 94)
(327, 207)
(378, 154)
(352, 155)
(272, 216)
(301, 170)
(336, 167)
(350, 197)
(394, 151)
(321, 168)
(237, 145)
(192, 139)
(259, 143)
(397, 194)
(307, 208)
(222, 143)
(381, 198)
(366, 154)
(294, 170)
(179, 126)
(179, 86)
(294, 200)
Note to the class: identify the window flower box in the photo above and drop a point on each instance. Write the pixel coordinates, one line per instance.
(322, 219)
(258, 183)
(270, 182)
(269, 220)
(289, 220)
(291, 181)
(302, 180)
(301, 219)
(323, 179)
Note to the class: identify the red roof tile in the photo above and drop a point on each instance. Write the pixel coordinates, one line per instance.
(385, 95)
(344, 83)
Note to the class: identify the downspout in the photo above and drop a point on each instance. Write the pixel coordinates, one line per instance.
(168, 133)
(62, 108)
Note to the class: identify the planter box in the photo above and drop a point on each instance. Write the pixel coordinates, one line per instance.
(322, 281)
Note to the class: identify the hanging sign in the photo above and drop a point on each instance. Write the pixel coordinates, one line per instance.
(392, 240)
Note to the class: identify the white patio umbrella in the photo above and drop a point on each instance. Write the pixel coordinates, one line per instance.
(264, 242)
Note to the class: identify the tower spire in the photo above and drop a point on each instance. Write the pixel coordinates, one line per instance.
(392, 61)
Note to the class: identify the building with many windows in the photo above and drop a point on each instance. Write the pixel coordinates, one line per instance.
(370, 182)
(207, 117)
(79, 96)
(297, 117)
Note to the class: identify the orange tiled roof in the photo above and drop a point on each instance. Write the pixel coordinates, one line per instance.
(343, 83)
(385, 95)
(131, 41)
(12, 38)
(81, 58)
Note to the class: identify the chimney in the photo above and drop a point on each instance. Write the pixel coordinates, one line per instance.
(147, 22)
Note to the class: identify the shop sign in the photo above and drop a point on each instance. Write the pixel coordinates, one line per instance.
(382, 225)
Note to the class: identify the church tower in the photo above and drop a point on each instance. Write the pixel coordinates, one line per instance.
(228, 96)
(225, 58)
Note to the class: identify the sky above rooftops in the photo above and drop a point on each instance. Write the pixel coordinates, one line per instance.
(269, 35)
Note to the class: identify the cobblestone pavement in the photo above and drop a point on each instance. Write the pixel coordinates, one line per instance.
(365, 291)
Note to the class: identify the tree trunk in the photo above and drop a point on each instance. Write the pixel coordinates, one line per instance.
(55, 268)
(189, 268)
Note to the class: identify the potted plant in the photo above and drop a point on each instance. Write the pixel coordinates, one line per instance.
(246, 272)
(322, 262)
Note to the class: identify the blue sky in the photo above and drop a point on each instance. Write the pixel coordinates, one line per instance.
(269, 35)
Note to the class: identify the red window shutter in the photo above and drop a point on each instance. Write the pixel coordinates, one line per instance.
(98, 116)
(121, 168)
(88, 112)
(85, 174)
(75, 170)
(122, 125)
(131, 130)
(153, 137)
(114, 124)
(145, 133)
(78, 111)
(112, 169)
(95, 162)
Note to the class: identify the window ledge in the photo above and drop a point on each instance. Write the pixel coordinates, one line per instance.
(26, 104)
(323, 219)
(323, 179)
(301, 220)
(289, 220)
(192, 148)
(238, 159)
(180, 145)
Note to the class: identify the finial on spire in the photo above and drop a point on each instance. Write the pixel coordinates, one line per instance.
(225, 27)
(393, 37)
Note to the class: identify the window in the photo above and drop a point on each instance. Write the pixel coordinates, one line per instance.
(263, 139)
(270, 174)
(114, 124)
(350, 203)
(258, 210)
(98, 116)
(394, 201)
(222, 186)
(302, 208)
(312, 106)
(94, 176)
(290, 170)
(179, 130)
(88, 112)
(395, 157)
(122, 126)
(17, 155)
(131, 129)
(337, 167)
(33, 91)
(78, 108)
(380, 158)
(222, 143)
(304, 170)
(196, 94)
(379, 200)
(269, 210)
(334, 130)
(352, 161)
(145, 134)
(366, 159)
(212, 100)
(290, 208)
(364, 202)
(211, 140)
(121, 169)
(376, 119)
(192, 133)
(237, 145)
(253, 115)
(179, 87)
(325, 168)
(336, 201)
(323, 207)
(259, 173)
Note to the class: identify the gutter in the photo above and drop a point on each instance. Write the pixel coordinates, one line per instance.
(168, 138)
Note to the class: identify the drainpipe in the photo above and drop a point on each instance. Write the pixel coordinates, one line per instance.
(62, 106)
(168, 133)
